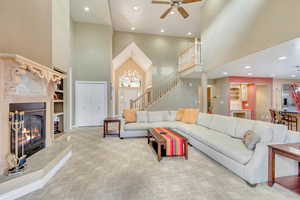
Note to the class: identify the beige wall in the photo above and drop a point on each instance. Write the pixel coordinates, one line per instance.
(127, 65)
(184, 96)
(26, 29)
(92, 55)
(61, 23)
(161, 50)
(233, 29)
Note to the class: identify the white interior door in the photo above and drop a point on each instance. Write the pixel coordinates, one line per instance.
(91, 103)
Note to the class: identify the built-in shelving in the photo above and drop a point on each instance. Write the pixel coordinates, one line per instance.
(58, 107)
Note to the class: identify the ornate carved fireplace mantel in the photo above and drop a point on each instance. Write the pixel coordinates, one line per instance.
(24, 81)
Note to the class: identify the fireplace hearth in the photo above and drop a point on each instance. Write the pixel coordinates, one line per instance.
(32, 137)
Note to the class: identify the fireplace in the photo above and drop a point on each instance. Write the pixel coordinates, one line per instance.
(31, 138)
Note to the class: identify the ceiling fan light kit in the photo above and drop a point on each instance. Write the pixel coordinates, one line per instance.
(175, 4)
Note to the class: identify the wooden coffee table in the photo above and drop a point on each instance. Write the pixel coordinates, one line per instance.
(161, 143)
(291, 151)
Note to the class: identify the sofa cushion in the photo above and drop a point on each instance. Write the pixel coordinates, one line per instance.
(137, 126)
(172, 116)
(190, 116)
(158, 116)
(145, 126)
(279, 131)
(204, 119)
(142, 116)
(224, 124)
(191, 129)
(228, 146)
(242, 126)
(129, 115)
(264, 130)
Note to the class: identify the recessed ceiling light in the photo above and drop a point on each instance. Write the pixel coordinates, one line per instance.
(172, 12)
(132, 28)
(87, 9)
(293, 75)
(162, 30)
(282, 58)
(248, 67)
(250, 74)
(225, 73)
(189, 33)
(135, 7)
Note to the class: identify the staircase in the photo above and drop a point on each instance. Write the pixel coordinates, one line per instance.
(188, 63)
(153, 95)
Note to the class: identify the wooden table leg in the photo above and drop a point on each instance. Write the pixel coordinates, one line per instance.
(271, 167)
(148, 136)
(104, 129)
(119, 129)
(158, 151)
(186, 150)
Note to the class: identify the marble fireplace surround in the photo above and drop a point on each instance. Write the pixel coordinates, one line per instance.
(24, 81)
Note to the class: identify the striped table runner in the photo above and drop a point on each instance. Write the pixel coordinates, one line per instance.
(174, 142)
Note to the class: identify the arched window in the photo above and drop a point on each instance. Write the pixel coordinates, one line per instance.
(130, 79)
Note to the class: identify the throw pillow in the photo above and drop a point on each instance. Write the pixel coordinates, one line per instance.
(142, 116)
(250, 139)
(179, 114)
(190, 116)
(129, 115)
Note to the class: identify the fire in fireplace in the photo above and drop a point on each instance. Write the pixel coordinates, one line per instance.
(31, 138)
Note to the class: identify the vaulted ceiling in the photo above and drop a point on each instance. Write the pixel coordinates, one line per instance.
(145, 18)
(91, 11)
(140, 15)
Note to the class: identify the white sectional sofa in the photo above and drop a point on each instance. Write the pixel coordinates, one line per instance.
(219, 137)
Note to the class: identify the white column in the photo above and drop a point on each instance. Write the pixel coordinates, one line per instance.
(204, 91)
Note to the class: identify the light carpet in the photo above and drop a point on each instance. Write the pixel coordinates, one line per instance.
(113, 169)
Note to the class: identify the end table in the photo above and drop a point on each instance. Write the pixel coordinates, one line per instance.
(108, 120)
(291, 151)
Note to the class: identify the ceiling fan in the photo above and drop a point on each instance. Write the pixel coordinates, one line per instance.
(175, 4)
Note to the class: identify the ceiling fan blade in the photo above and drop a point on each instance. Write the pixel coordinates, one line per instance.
(160, 2)
(190, 1)
(183, 12)
(166, 13)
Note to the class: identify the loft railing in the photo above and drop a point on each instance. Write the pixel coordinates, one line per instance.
(190, 57)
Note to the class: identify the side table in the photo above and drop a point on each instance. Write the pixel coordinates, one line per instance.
(106, 130)
(291, 151)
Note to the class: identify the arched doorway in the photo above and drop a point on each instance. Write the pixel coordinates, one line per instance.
(131, 84)
(131, 75)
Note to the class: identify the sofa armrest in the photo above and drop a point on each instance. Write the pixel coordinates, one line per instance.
(256, 170)
(122, 124)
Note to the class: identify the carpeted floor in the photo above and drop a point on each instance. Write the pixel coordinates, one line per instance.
(114, 169)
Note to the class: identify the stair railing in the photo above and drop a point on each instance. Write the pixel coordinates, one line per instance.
(153, 95)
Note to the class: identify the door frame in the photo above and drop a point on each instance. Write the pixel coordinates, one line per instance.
(77, 96)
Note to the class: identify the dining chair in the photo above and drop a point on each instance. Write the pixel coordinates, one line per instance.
(272, 113)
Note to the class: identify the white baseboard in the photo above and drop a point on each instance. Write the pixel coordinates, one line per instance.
(17, 193)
